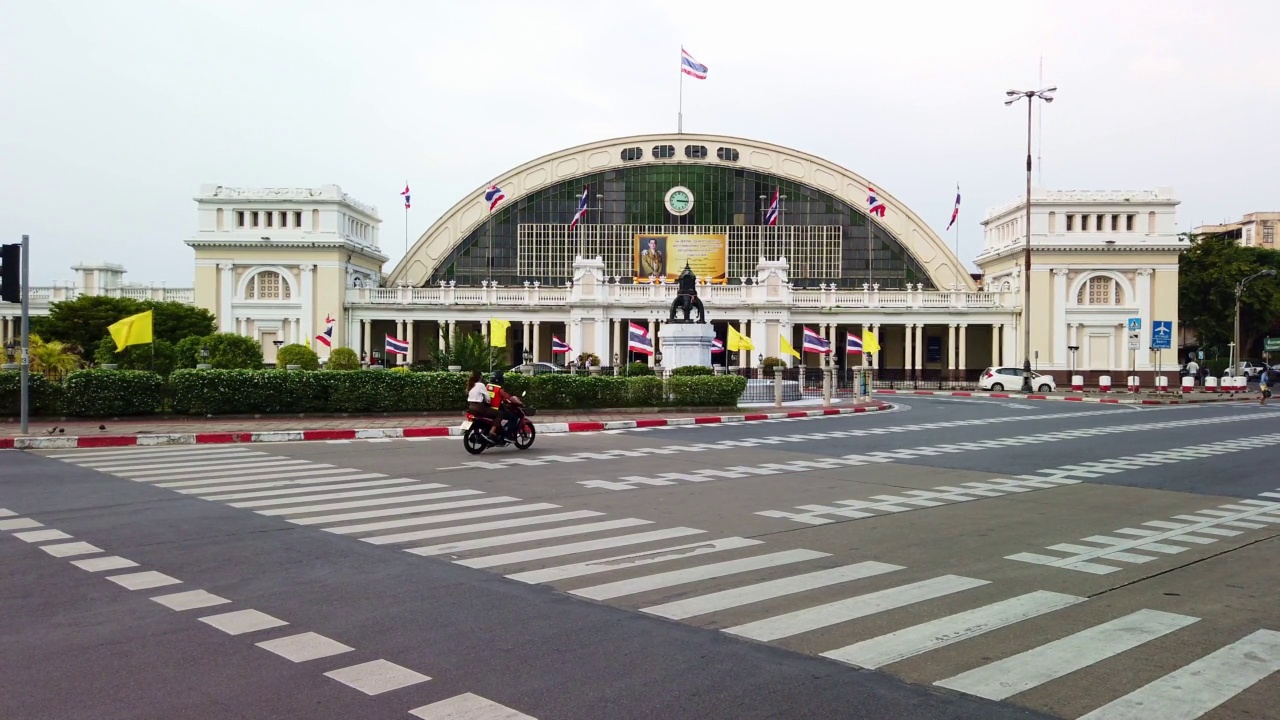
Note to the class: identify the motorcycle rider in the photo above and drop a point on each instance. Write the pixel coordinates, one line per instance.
(479, 403)
(500, 403)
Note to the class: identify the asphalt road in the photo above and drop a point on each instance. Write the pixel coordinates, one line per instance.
(954, 558)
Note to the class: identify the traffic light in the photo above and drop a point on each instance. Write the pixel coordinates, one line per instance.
(10, 273)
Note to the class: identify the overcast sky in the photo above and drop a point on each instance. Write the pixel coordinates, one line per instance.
(114, 113)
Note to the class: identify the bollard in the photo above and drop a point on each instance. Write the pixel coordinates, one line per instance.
(777, 386)
(826, 387)
(1162, 384)
(1077, 383)
(1104, 384)
(1242, 384)
(1210, 384)
(1133, 383)
(1188, 384)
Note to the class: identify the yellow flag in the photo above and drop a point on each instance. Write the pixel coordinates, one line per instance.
(498, 332)
(739, 342)
(785, 348)
(869, 342)
(133, 330)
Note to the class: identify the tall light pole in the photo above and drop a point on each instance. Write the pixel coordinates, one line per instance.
(1015, 96)
(1239, 351)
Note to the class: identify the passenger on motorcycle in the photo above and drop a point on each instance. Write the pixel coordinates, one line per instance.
(479, 403)
(500, 402)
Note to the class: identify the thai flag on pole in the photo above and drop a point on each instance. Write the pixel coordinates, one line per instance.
(559, 347)
(852, 344)
(815, 343)
(874, 205)
(582, 210)
(493, 196)
(638, 340)
(406, 196)
(717, 346)
(771, 217)
(396, 346)
(955, 213)
(692, 67)
(326, 337)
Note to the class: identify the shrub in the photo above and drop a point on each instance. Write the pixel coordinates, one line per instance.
(706, 391)
(158, 356)
(186, 354)
(45, 396)
(692, 371)
(346, 359)
(228, 351)
(112, 393)
(771, 362)
(232, 392)
(637, 369)
(299, 355)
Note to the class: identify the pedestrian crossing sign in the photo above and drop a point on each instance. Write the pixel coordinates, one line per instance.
(1135, 324)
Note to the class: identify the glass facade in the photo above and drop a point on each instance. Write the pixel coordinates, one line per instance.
(723, 196)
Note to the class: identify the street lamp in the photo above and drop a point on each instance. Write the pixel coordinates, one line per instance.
(1073, 349)
(1268, 272)
(527, 355)
(1015, 96)
(657, 358)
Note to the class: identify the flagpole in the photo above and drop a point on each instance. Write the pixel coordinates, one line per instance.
(406, 229)
(680, 111)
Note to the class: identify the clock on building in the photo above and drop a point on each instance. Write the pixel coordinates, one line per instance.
(679, 201)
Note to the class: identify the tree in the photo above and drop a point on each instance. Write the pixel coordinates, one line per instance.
(187, 352)
(299, 355)
(342, 359)
(470, 351)
(52, 358)
(83, 322)
(228, 351)
(1208, 272)
(159, 356)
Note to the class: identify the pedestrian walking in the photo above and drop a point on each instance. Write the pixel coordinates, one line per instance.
(1193, 370)
(1266, 377)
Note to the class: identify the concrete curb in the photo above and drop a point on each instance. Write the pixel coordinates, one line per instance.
(212, 438)
(1065, 398)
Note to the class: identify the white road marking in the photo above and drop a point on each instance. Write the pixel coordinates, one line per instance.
(801, 621)
(209, 469)
(1006, 678)
(240, 622)
(143, 580)
(190, 600)
(531, 536)
(481, 527)
(409, 510)
(19, 524)
(335, 495)
(1195, 689)
(622, 562)
(379, 501)
(70, 549)
(5, 512)
(82, 457)
(673, 578)
(119, 466)
(758, 592)
(304, 646)
(377, 676)
(436, 519)
(312, 488)
(33, 536)
(109, 562)
(467, 707)
(306, 478)
(918, 639)
(543, 553)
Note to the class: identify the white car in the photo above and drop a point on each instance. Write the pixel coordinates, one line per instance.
(999, 379)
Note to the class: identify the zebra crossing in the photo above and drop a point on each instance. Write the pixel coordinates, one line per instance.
(831, 604)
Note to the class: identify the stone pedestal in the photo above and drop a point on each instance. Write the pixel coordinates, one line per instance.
(686, 344)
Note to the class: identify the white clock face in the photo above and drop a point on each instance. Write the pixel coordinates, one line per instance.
(679, 201)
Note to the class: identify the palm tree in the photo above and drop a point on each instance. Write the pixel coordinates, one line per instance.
(53, 359)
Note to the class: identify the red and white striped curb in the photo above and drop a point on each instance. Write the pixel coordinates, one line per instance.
(94, 441)
(1114, 400)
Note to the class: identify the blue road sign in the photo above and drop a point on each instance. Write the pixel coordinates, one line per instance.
(1161, 334)
(1135, 324)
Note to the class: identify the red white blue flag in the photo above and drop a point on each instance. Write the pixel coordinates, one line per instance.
(717, 346)
(874, 205)
(771, 217)
(396, 346)
(852, 344)
(493, 196)
(692, 67)
(955, 213)
(582, 210)
(406, 196)
(326, 337)
(559, 347)
(815, 343)
(638, 340)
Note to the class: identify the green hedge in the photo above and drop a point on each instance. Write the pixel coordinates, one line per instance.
(703, 391)
(112, 393)
(237, 392)
(692, 371)
(45, 396)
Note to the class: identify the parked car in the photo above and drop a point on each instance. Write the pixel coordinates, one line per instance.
(1010, 378)
(539, 368)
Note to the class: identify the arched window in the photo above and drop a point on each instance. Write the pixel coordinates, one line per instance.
(267, 285)
(1100, 290)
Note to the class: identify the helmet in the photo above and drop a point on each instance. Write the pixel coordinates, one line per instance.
(497, 377)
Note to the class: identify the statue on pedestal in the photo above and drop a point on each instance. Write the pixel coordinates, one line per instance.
(687, 297)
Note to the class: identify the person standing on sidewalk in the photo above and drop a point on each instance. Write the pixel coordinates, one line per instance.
(1266, 377)
(1193, 369)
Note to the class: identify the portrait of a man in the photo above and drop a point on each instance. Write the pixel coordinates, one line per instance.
(653, 257)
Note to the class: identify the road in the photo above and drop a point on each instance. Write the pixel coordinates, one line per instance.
(951, 558)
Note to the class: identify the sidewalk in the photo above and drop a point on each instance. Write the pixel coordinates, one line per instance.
(192, 431)
(1113, 398)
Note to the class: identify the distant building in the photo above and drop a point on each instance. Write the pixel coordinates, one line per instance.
(1253, 230)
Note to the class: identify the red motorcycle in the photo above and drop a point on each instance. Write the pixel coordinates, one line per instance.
(475, 430)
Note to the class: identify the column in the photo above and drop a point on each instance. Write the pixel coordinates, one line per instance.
(919, 348)
(604, 340)
(875, 357)
(226, 291)
(908, 357)
(366, 342)
(308, 307)
(962, 358)
(653, 338)
(297, 333)
(1143, 291)
(951, 351)
(619, 348)
(1010, 346)
(484, 329)
(440, 326)
(537, 341)
(1059, 334)
(408, 337)
(526, 336)
(744, 356)
(996, 330)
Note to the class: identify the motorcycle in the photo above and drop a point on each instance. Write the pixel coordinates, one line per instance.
(475, 431)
